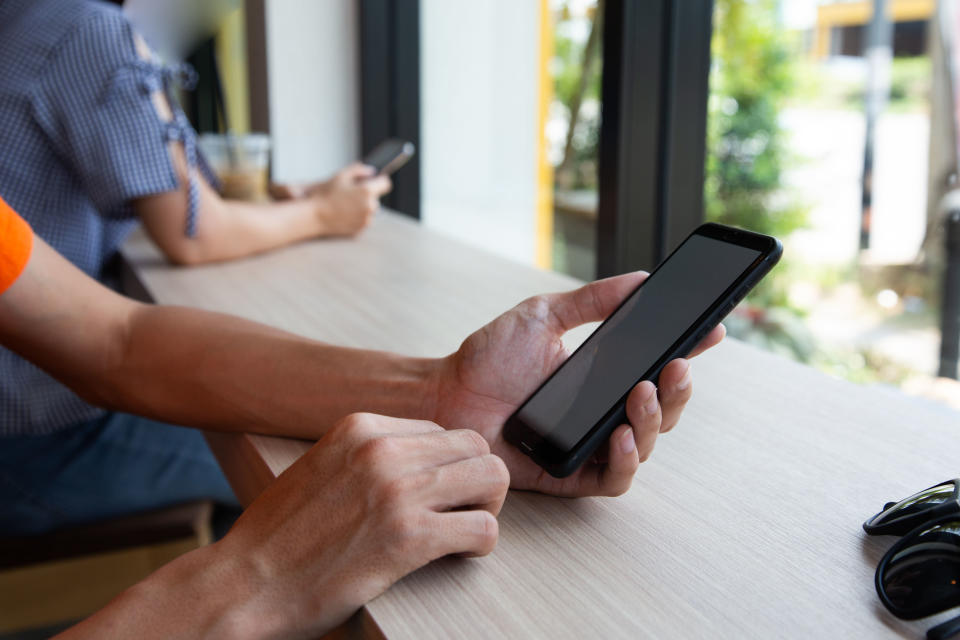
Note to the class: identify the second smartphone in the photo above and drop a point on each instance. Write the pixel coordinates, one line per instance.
(577, 408)
(389, 155)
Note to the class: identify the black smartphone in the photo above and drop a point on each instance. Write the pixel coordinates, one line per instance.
(390, 155)
(577, 408)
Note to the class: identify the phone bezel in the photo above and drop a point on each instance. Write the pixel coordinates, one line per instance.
(560, 462)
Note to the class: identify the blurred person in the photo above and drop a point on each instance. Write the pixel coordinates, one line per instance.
(93, 144)
(375, 498)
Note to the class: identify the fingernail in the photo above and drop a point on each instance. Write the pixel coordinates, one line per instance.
(687, 379)
(652, 404)
(627, 442)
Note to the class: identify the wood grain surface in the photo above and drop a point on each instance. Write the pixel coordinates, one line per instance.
(744, 523)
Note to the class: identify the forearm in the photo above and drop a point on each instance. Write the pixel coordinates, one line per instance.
(220, 372)
(195, 367)
(229, 229)
(202, 594)
(226, 229)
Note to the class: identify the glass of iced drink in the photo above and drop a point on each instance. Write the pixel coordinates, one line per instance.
(241, 162)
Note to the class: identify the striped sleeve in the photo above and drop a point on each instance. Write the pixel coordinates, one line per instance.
(16, 242)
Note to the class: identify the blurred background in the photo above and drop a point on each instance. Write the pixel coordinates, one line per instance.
(560, 133)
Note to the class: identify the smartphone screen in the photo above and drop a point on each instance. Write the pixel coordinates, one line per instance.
(634, 338)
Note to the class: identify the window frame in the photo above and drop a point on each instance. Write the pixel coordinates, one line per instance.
(390, 89)
(656, 63)
(656, 67)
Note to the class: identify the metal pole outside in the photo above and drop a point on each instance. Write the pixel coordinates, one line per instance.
(950, 309)
(878, 52)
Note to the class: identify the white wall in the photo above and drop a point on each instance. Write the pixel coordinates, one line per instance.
(313, 77)
(479, 100)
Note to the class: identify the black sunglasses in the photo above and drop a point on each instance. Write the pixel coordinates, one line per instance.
(920, 575)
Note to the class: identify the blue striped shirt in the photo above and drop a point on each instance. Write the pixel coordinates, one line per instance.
(79, 139)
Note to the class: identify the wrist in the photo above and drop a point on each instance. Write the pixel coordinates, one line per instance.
(267, 597)
(433, 373)
(405, 387)
(210, 593)
(322, 210)
(240, 606)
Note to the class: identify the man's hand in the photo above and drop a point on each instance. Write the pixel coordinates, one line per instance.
(345, 203)
(375, 499)
(500, 365)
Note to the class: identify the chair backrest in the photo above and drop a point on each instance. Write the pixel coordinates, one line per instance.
(151, 527)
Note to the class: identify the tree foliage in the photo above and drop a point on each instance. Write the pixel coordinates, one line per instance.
(569, 71)
(750, 79)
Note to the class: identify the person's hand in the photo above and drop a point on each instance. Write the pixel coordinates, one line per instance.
(373, 500)
(345, 203)
(499, 366)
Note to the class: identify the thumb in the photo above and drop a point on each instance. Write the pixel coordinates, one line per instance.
(592, 302)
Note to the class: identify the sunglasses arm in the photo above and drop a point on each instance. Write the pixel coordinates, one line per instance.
(944, 630)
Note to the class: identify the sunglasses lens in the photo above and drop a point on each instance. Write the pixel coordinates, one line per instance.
(925, 575)
(917, 503)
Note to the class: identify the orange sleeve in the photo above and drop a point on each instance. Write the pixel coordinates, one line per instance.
(16, 242)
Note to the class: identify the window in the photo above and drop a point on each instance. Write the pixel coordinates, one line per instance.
(790, 141)
(648, 117)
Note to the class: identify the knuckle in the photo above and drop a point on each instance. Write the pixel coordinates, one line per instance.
(406, 531)
(394, 492)
(354, 425)
(475, 441)
(496, 469)
(403, 488)
(489, 532)
(537, 306)
(541, 304)
(378, 450)
(433, 426)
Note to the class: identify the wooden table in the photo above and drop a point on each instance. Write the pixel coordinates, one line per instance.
(744, 523)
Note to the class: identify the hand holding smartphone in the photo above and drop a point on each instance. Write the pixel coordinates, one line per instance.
(577, 408)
